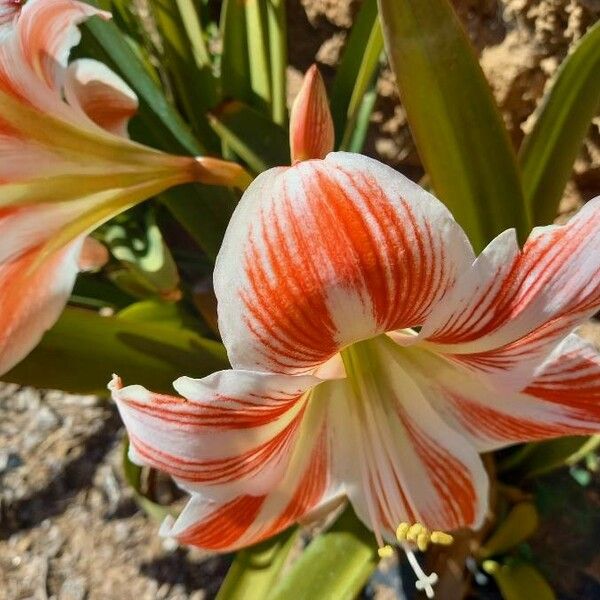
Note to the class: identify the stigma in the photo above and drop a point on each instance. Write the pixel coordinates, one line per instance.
(417, 535)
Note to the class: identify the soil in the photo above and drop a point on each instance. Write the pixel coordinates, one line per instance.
(69, 527)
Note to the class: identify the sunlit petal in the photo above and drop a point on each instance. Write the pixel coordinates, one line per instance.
(562, 400)
(328, 252)
(509, 311)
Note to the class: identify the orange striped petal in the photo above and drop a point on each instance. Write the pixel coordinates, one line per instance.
(563, 399)
(230, 432)
(32, 300)
(226, 525)
(512, 307)
(329, 252)
(253, 448)
(311, 125)
(101, 95)
(66, 165)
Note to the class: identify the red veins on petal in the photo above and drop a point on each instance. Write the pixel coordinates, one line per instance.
(224, 527)
(451, 480)
(343, 239)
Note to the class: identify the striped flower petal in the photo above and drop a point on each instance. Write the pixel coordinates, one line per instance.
(305, 488)
(399, 460)
(512, 307)
(329, 252)
(230, 433)
(563, 398)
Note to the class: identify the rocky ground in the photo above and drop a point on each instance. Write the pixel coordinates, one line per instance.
(69, 529)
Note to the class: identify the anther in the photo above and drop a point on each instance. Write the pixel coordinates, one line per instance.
(442, 538)
(423, 541)
(414, 531)
(385, 552)
(402, 531)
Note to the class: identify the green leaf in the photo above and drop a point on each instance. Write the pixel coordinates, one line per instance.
(136, 241)
(543, 457)
(336, 564)
(83, 349)
(549, 151)
(203, 211)
(521, 522)
(362, 120)
(255, 570)
(455, 123)
(519, 581)
(190, 16)
(277, 23)
(356, 73)
(156, 311)
(257, 35)
(190, 70)
(235, 64)
(253, 136)
(254, 55)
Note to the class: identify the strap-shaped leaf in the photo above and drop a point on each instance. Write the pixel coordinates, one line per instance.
(355, 72)
(255, 570)
(189, 70)
(251, 135)
(83, 349)
(549, 151)
(455, 123)
(278, 55)
(336, 564)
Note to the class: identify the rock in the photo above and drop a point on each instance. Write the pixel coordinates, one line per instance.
(73, 589)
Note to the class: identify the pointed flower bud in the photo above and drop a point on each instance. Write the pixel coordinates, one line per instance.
(311, 125)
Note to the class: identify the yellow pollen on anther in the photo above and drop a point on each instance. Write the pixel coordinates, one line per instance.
(414, 531)
(442, 538)
(402, 531)
(423, 541)
(385, 552)
(419, 535)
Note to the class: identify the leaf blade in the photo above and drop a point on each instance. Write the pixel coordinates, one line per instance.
(455, 124)
(547, 154)
(336, 564)
(94, 347)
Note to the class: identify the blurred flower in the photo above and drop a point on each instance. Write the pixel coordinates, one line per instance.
(374, 357)
(66, 165)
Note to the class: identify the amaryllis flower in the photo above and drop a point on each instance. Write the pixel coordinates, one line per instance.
(374, 355)
(66, 165)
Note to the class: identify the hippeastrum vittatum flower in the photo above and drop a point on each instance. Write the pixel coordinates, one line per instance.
(66, 164)
(374, 356)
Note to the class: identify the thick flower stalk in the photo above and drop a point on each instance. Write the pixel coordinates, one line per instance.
(66, 165)
(374, 356)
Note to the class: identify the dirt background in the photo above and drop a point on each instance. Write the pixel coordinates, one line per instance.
(69, 528)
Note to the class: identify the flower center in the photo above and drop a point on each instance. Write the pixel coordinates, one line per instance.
(370, 371)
